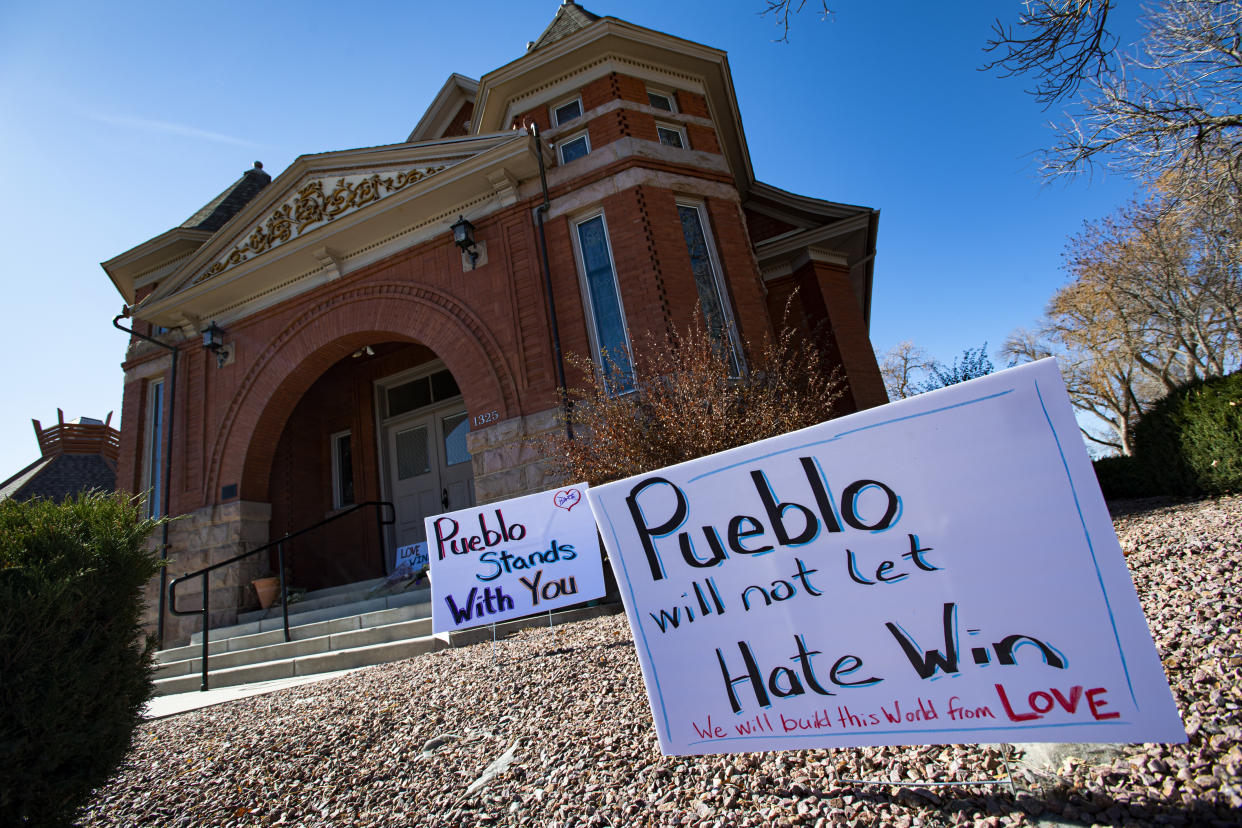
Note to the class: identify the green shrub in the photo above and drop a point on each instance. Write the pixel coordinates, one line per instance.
(1120, 477)
(75, 669)
(1190, 442)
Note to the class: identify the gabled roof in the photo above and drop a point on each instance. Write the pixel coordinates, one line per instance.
(457, 91)
(570, 17)
(223, 207)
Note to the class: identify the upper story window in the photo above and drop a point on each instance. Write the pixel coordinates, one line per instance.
(707, 280)
(606, 318)
(574, 148)
(671, 136)
(566, 112)
(660, 101)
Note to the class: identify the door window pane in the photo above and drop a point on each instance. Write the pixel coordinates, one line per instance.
(455, 429)
(409, 396)
(605, 304)
(412, 455)
(443, 386)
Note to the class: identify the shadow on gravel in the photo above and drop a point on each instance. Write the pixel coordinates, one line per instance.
(1049, 807)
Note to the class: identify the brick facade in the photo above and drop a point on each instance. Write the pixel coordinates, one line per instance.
(251, 448)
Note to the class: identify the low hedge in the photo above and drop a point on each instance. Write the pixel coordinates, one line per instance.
(75, 669)
(1190, 442)
(1121, 476)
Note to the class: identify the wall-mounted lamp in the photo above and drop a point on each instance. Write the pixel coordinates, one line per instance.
(463, 236)
(213, 340)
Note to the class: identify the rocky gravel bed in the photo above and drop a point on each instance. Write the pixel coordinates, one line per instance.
(556, 731)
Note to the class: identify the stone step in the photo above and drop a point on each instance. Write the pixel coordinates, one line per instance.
(303, 665)
(329, 597)
(274, 619)
(220, 644)
(343, 650)
(279, 650)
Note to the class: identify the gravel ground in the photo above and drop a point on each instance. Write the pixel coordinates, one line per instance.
(560, 734)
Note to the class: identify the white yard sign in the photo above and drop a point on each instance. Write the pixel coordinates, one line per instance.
(412, 556)
(938, 570)
(513, 558)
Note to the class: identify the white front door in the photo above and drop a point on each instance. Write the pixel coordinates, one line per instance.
(430, 471)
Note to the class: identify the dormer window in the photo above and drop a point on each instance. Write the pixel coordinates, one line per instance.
(659, 100)
(671, 136)
(567, 111)
(574, 148)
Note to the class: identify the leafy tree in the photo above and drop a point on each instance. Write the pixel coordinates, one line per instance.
(908, 369)
(972, 364)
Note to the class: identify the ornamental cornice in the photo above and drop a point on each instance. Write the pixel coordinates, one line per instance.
(313, 206)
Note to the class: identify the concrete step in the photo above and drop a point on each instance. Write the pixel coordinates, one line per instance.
(360, 639)
(310, 645)
(329, 597)
(219, 644)
(273, 619)
(303, 665)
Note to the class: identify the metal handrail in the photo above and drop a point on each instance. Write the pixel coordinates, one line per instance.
(380, 523)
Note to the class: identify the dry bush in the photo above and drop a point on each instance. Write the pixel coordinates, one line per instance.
(685, 404)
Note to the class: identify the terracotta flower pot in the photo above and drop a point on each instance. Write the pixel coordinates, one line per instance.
(267, 589)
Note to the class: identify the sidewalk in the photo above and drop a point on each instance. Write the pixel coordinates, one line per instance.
(163, 706)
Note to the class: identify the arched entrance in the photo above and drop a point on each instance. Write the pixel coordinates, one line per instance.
(386, 422)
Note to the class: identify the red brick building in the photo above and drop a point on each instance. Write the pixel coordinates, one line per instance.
(366, 356)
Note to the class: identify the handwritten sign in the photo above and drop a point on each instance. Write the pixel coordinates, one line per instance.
(939, 570)
(413, 555)
(514, 558)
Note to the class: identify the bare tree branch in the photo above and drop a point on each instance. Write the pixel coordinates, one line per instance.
(1060, 42)
(783, 9)
(1174, 105)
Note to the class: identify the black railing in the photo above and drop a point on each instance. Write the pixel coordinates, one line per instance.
(380, 522)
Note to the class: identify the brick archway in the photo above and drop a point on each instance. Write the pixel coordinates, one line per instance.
(327, 332)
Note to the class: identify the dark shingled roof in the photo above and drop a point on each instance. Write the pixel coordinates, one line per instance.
(60, 476)
(226, 205)
(570, 17)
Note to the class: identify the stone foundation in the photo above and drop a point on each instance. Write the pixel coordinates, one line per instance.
(199, 539)
(507, 458)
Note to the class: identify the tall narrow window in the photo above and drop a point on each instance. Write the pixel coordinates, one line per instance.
(612, 345)
(342, 470)
(155, 448)
(707, 281)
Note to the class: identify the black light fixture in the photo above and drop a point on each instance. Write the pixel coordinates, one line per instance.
(463, 236)
(213, 340)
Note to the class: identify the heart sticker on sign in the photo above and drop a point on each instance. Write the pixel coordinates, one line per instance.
(567, 498)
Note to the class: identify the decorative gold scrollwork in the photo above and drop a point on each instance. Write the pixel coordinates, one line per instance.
(310, 207)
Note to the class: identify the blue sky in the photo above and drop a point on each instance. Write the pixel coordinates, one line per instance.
(122, 119)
